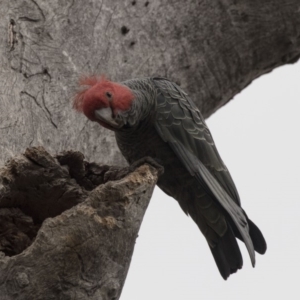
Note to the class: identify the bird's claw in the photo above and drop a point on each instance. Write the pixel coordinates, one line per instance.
(150, 161)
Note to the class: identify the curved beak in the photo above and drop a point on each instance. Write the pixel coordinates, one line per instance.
(105, 115)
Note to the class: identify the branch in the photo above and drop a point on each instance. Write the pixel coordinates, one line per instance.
(73, 232)
(213, 49)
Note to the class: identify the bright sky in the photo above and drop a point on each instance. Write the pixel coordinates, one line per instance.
(257, 135)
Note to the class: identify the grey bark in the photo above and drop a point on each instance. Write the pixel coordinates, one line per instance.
(73, 233)
(213, 49)
(54, 216)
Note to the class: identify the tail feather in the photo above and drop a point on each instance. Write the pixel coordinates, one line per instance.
(227, 254)
(221, 233)
(258, 240)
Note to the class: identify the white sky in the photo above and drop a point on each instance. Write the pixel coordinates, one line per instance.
(257, 135)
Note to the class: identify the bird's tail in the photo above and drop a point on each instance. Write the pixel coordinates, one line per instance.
(227, 254)
(221, 233)
(258, 240)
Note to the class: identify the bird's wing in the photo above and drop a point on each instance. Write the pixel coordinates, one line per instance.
(180, 124)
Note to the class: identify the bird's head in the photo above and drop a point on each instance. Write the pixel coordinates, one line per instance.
(103, 101)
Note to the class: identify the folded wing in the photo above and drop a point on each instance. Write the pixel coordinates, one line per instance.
(180, 124)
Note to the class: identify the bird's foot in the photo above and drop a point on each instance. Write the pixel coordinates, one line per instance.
(150, 161)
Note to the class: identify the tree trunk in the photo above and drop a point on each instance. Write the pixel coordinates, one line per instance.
(73, 232)
(213, 49)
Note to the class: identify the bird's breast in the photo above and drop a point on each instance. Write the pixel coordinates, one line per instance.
(176, 180)
(141, 142)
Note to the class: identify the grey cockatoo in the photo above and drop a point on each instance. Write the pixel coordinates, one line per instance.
(153, 117)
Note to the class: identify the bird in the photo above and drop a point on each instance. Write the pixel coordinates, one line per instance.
(153, 117)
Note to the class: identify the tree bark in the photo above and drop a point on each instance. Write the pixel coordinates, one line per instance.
(73, 233)
(60, 235)
(213, 49)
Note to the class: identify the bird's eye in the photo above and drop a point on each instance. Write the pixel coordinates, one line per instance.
(109, 95)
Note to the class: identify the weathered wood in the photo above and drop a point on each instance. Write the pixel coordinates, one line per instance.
(213, 49)
(83, 248)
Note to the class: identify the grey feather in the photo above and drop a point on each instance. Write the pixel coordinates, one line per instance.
(192, 142)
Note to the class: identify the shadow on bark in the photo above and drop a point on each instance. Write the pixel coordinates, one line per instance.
(67, 226)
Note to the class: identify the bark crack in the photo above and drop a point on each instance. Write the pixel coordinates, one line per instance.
(12, 37)
(39, 9)
(97, 16)
(28, 19)
(43, 107)
(47, 109)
